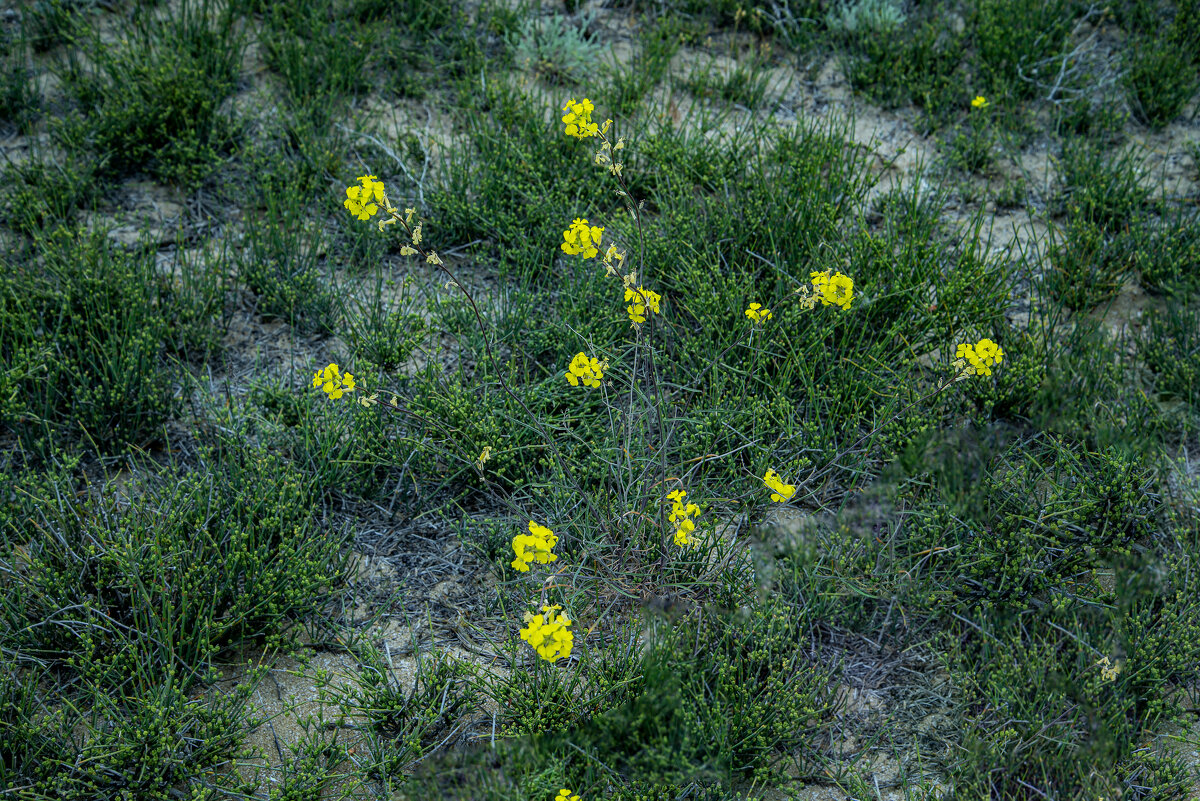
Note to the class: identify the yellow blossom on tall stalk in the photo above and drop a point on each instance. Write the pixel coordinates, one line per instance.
(780, 492)
(588, 371)
(642, 299)
(565, 795)
(578, 119)
(833, 290)
(977, 359)
(757, 313)
(534, 547)
(332, 382)
(548, 633)
(683, 516)
(363, 201)
(582, 238)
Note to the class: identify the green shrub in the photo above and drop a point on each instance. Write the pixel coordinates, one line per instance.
(83, 345)
(1170, 347)
(153, 101)
(1087, 266)
(281, 263)
(1017, 44)
(230, 551)
(43, 192)
(1159, 79)
(919, 63)
(1099, 188)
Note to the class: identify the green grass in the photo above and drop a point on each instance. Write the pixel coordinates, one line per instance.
(178, 501)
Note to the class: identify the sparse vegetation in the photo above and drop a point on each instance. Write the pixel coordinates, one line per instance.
(838, 400)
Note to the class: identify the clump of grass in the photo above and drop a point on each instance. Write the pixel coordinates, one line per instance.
(1098, 187)
(281, 263)
(1017, 43)
(1087, 266)
(1170, 347)
(554, 48)
(154, 101)
(1159, 79)
(657, 46)
(44, 192)
(20, 100)
(917, 63)
(51, 23)
(745, 85)
(84, 341)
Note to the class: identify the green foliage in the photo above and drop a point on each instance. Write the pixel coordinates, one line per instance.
(918, 63)
(1087, 264)
(522, 221)
(43, 193)
(145, 747)
(1017, 43)
(228, 552)
(1159, 79)
(84, 344)
(20, 99)
(1169, 255)
(1170, 347)
(50, 23)
(385, 331)
(658, 44)
(1100, 188)
(281, 263)
(153, 101)
(745, 85)
(553, 48)
(320, 53)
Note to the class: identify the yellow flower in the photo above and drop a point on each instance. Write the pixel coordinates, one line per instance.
(1108, 671)
(332, 382)
(565, 795)
(979, 102)
(582, 238)
(781, 492)
(757, 313)
(534, 546)
(578, 119)
(548, 634)
(979, 358)
(363, 200)
(837, 290)
(484, 456)
(589, 371)
(642, 299)
(683, 516)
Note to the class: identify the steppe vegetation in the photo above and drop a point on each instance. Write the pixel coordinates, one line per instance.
(825, 426)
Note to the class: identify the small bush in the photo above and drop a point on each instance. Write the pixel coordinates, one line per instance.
(1102, 189)
(1170, 347)
(1159, 79)
(153, 102)
(83, 344)
(1087, 266)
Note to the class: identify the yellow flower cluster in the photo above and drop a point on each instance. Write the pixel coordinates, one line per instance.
(979, 102)
(835, 290)
(589, 371)
(565, 795)
(642, 299)
(534, 546)
(978, 359)
(1108, 671)
(757, 313)
(582, 238)
(578, 119)
(332, 382)
(363, 201)
(548, 633)
(780, 492)
(683, 516)
(612, 257)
